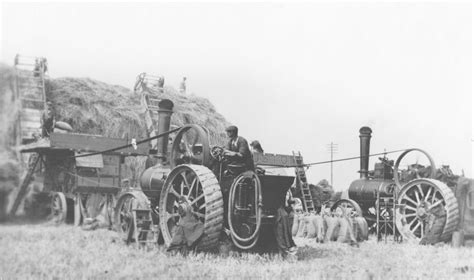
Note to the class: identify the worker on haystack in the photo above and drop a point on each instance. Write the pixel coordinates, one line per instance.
(45, 65)
(237, 150)
(47, 120)
(182, 86)
(161, 82)
(36, 70)
(41, 65)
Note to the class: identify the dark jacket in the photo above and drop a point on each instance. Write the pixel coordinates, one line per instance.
(244, 155)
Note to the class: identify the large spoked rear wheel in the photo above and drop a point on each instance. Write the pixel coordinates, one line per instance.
(191, 146)
(418, 201)
(196, 188)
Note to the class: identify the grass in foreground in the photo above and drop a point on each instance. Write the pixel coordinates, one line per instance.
(40, 251)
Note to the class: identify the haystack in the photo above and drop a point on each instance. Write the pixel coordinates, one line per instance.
(94, 107)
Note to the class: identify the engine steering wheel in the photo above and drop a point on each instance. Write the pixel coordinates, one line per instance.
(217, 153)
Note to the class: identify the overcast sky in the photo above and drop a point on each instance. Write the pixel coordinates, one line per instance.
(294, 76)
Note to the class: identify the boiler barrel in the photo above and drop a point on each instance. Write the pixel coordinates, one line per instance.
(153, 179)
(364, 191)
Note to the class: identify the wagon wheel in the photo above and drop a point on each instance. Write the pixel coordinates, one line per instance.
(124, 217)
(418, 199)
(193, 189)
(348, 207)
(58, 208)
(191, 146)
(123, 214)
(430, 174)
(245, 209)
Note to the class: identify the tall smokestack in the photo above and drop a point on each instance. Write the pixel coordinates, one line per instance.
(365, 135)
(164, 120)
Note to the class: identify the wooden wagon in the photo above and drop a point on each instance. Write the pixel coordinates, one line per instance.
(78, 187)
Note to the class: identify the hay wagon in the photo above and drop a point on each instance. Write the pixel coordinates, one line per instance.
(75, 187)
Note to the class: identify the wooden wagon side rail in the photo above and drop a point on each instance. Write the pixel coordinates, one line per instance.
(93, 143)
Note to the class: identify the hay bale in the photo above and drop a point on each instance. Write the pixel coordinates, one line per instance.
(332, 228)
(302, 230)
(361, 228)
(318, 223)
(346, 231)
(296, 224)
(310, 226)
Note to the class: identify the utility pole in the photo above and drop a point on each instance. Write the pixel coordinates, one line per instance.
(332, 148)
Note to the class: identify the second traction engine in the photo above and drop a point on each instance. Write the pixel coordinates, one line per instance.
(402, 202)
(373, 188)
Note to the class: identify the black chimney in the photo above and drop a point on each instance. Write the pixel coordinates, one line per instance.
(365, 135)
(164, 119)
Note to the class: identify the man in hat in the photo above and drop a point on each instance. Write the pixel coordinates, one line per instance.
(47, 120)
(182, 86)
(237, 149)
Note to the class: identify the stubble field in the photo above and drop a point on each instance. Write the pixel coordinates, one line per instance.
(66, 252)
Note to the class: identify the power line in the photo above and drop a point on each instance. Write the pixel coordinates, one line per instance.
(341, 159)
(332, 148)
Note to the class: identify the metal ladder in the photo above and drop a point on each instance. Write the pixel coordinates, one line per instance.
(150, 88)
(34, 159)
(144, 232)
(30, 74)
(301, 176)
(385, 222)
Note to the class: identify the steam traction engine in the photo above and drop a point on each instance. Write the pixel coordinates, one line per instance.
(193, 182)
(401, 202)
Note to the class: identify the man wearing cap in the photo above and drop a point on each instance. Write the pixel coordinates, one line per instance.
(237, 149)
(47, 120)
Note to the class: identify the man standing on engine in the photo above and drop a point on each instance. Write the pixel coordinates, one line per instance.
(237, 149)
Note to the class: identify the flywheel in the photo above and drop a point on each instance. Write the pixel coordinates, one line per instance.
(422, 201)
(195, 189)
(191, 146)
